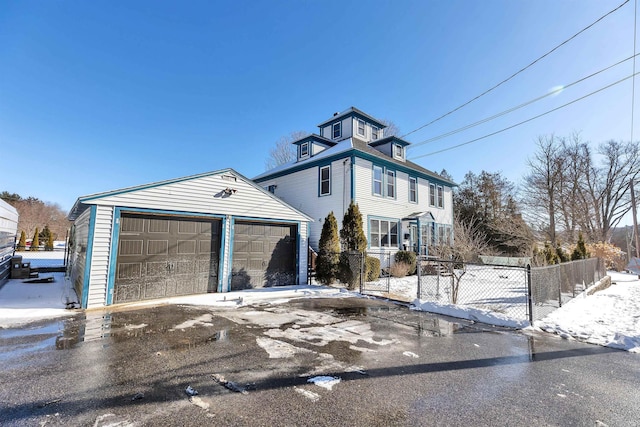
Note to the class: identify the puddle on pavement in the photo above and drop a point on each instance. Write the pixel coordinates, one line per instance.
(22, 341)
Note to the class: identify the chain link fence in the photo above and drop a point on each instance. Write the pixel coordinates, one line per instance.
(496, 288)
(554, 285)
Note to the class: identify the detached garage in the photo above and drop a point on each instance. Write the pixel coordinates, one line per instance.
(213, 232)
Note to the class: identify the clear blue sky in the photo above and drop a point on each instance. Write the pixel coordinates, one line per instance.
(115, 94)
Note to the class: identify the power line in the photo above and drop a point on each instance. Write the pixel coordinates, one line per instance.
(528, 120)
(519, 71)
(512, 109)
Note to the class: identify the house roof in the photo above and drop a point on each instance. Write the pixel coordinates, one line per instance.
(84, 202)
(388, 139)
(316, 138)
(342, 149)
(353, 111)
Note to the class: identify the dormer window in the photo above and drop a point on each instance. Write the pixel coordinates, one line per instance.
(337, 130)
(361, 127)
(304, 150)
(398, 151)
(374, 132)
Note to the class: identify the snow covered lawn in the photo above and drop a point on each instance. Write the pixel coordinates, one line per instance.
(609, 318)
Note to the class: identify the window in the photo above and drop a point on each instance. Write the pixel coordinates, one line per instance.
(413, 190)
(304, 150)
(272, 188)
(383, 233)
(377, 180)
(444, 235)
(391, 184)
(432, 194)
(374, 132)
(360, 127)
(398, 151)
(325, 180)
(440, 196)
(337, 130)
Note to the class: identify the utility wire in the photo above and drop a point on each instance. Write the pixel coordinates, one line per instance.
(517, 72)
(528, 120)
(510, 110)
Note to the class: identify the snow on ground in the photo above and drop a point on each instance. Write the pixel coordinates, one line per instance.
(609, 318)
(22, 303)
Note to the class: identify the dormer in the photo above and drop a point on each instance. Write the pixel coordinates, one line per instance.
(393, 147)
(352, 123)
(310, 146)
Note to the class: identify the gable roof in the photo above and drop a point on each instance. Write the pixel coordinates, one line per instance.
(345, 148)
(83, 202)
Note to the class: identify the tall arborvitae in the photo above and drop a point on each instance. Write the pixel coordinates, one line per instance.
(36, 241)
(22, 243)
(329, 251)
(352, 233)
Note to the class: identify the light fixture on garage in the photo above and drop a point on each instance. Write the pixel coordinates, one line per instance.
(229, 191)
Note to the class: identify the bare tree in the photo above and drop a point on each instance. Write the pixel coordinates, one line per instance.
(34, 213)
(609, 184)
(541, 185)
(284, 151)
(391, 128)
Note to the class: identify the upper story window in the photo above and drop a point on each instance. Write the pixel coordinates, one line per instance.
(304, 150)
(272, 188)
(440, 196)
(391, 184)
(432, 194)
(337, 130)
(361, 128)
(377, 180)
(325, 181)
(413, 190)
(398, 151)
(374, 132)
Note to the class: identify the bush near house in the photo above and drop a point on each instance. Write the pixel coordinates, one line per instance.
(329, 250)
(372, 268)
(399, 269)
(409, 258)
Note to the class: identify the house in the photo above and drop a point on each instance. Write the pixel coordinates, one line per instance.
(213, 232)
(8, 231)
(403, 205)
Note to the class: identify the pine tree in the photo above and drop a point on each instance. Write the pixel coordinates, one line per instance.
(22, 243)
(580, 252)
(47, 237)
(329, 251)
(352, 233)
(36, 241)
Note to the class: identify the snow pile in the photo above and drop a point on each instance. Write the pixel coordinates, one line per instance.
(469, 313)
(325, 381)
(609, 318)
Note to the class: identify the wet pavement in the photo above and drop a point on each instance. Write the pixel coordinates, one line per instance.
(371, 363)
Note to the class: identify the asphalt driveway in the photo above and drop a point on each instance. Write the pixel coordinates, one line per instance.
(315, 362)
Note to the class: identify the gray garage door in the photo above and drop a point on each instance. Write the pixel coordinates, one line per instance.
(160, 256)
(264, 255)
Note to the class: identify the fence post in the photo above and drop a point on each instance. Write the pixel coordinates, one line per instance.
(559, 285)
(419, 273)
(529, 294)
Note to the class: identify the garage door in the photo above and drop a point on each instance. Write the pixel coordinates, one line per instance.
(264, 255)
(162, 256)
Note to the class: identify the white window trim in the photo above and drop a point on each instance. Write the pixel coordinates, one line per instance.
(389, 223)
(440, 196)
(364, 127)
(333, 133)
(304, 144)
(415, 191)
(320, 193)
(398, 151)
(374, 132)
(373, 183)
(432, 194)
(386, 184)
